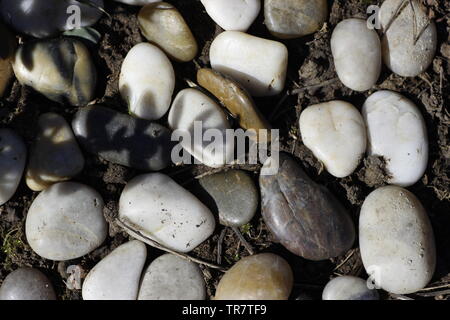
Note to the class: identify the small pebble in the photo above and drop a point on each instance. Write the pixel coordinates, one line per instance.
(27, 284)
(348, 288)
(6, 54)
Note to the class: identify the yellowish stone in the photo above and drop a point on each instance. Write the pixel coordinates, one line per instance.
(7, 49)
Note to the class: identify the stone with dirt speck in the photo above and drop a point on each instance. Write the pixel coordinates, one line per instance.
(348, 288)
(27, 284)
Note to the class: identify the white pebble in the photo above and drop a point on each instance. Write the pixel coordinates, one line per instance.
(348, 288)
(234, 15)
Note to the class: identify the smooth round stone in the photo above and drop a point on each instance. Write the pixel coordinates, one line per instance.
(397, 132)
(348, 288)
(137, 2)
(88, 33)
(117, 276)
(60, 69)
(304, 216)
(396, 240)
(147, 87)
(66, 221)
(13, 154)
(7, 49)
(147, 205)
(404, 53)
(357, 54)
(289, 19)
(234, 195)
(191, 106)
(27, 284)
(55, 156)
(172, 278)
(162, 23)
(264, 276)
(335, 132)
(233, 15)
(122, 139)
(45, 18)
(257, 64)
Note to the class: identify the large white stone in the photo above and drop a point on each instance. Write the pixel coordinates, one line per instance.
(258, 64)
(234, 15)
(172, 278)
(117, 276)
(397, 132)
(396, 240)
(147, 81)
(348, 288)
(335, 132)
(357, 54)
(157, 207)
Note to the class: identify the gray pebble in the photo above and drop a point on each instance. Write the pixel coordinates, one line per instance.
(27, 284)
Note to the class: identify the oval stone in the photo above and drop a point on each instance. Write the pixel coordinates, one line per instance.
(289, 19)
(117, 276)
(348, 288)
(410, 40)
(27, 284)
(61, 69)
(335, 132)
(396, 240)
(397, 132)
(55, 156)
(304, 216)
(357, 54)
(258, 64)
(122, 139)
(172, 278)
(147, 88)
(66, 221)
(264, 276)
(13, 154)
(147, 205)
(7, 50)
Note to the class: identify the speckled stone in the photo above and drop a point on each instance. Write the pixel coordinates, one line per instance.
(348, 288)
(27, 284)
(7, 49)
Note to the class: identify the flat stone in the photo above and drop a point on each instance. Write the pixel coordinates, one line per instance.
(264, 276)
(55, 156)
(27, 284)
(117, 276)
(66, 221)
(348, 288)
(304, 216)
(234, 196)
(7, 50)
(258, 64)
(396, 240)
(147, 88)
(172, 278)
(60, 69)
(122, 139)
(397, 132)
(357, 54)
(13, 154)
(335, 132)
(289, 19)
(147, 205)
(162, 24)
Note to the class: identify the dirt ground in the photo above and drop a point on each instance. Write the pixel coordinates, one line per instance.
(311, 79)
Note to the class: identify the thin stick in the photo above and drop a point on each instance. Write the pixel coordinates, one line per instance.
(327, 82)
(244, 242)
(400, 7)
(434, 294)
(219, 246)
(345, 260)
(444, 286)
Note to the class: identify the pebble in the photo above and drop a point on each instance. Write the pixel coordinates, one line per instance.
(147, 204)
(234, 195)
(117, 276)
(304, 216)
(172, 278)
(61, 69)
(88, 34)
(27, 284)
(263, 276)
(396, 240)
(137, 2)
(66, 221)
(55, 156)
(335, 132)
(147, 87)
(42, 19)
(289, 19)
(357, 54)
(348, 288)
(404, 51)
(13, 154)
(191, 106)
(397, 132)
(122, 139)
(162, 23)
(233, 15)
(258, 64)
(6, 54)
